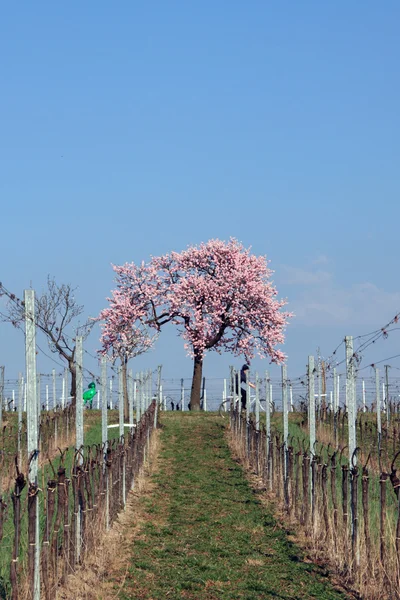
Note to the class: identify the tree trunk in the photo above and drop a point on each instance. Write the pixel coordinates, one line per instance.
(124, 365)
(72, 370)
(196, 383)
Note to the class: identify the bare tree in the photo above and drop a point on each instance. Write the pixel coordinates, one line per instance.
(55, 311)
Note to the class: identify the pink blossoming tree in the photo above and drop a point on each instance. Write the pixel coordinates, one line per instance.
(123, 337)
(218, 294)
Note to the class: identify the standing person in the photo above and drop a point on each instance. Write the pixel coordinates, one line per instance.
(243, 384)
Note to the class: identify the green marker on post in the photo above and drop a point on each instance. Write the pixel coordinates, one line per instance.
(89, 394)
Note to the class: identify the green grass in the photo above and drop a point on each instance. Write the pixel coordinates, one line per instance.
(206, 534)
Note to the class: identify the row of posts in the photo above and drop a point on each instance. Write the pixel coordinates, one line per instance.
(351, 405)
(140, 394)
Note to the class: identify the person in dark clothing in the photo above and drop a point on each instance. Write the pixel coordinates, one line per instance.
(243, 387)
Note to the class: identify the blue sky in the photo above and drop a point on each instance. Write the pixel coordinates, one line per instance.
(132, 129)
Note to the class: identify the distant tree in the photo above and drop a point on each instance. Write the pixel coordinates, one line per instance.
(218, 294)
(55, 311)
(123, 337)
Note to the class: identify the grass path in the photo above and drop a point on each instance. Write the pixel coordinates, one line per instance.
(205, 534)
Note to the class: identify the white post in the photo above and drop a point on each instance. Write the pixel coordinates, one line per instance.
(79, 430)
(63, 395)
(111, 394)
(387, 394)
(285, 409)
(66, 388)
(20, 407)
(135, 395)
(103, 379)
(224, 396)
(378, 413)
(139, 399)
(130, 396)
(350, 398)
(121, 428)
(335, 392)
(291, 398)
(182, 396)
(38, 390)
(120, 402)
(363, 396)
(268, 423)
(257, 407)
(79, 394)
(159, 389)
(47, 397)
(13, 400)
(98, 403)
(319, 383)
(53, 374)
(311, 403)
(32, 421)
(205, 399)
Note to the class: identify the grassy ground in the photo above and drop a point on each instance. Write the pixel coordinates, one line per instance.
(205, 533)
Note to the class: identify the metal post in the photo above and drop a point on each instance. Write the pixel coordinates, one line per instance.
(142, 393)
(311, 403)
(182, 395)
(32, 421)
(120, 402)
(63, 394)
(38, 390)
(319, 383)
(111, 394)
(350, 398)
(248, 409)
(135, 402)
(79, 393)
(363, 396)
(66, 391)
(205, 399)
(378, 414)
(104, 431)
(387, 394)
(285, 417)
(224, 396)
(79, 430)
(257, 407)
(159, 386)
(139, 399)
(53, 375)
(20, 407)
(130, 397)
(268, 425)
(335, 405)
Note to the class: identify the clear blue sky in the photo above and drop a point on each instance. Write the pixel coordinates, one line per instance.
(131, 128)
